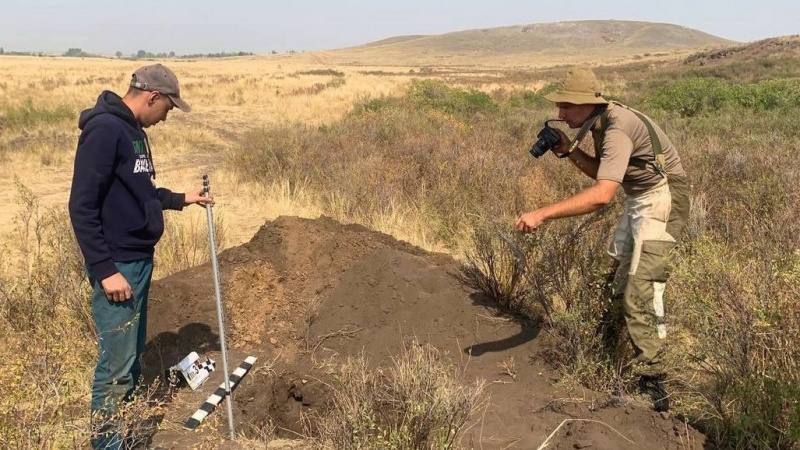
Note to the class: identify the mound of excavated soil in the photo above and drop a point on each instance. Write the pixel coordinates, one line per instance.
(303, 293)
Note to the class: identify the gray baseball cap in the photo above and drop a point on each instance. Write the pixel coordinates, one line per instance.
(158, 77)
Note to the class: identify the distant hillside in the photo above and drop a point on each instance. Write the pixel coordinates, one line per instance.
(532, 45)
(772, 48)
(394, 40)
(776, 57)
(562, 36)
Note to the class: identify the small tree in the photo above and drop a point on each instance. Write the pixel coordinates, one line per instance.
(2, 51)
(141, 54)
(73, 52)
(118, 54)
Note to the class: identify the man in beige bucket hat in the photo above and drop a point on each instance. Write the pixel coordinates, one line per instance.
(630, 151)
(116, 214)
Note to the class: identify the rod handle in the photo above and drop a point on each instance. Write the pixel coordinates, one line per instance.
(206, 186)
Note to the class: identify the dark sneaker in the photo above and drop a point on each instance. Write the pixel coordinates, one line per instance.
(653, 387)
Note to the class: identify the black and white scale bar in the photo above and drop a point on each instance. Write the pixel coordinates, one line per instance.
(215, 398)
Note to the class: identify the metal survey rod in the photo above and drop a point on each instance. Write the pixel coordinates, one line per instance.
(220, 320)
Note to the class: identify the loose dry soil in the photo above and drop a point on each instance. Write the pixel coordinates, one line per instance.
(304, 294)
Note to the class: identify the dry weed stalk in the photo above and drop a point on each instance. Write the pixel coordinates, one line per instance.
(508, 368)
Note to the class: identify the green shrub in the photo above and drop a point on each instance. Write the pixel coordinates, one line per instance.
(692, 96)
(373, 105)
(768, 94)
(461, 103)
(528, 100)
(696, 96)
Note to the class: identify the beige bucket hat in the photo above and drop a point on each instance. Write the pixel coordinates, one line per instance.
(579, 87)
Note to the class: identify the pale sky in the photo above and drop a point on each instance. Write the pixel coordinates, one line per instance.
(203, 26)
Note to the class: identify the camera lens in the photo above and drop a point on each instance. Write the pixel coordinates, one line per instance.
(548, 138)
(539, 148)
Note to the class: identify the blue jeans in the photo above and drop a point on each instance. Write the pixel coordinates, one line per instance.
(121, 332)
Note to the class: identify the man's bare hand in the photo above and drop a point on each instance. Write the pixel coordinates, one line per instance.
(529, 221)
(563, 144)
(116, 288)
(195, 196)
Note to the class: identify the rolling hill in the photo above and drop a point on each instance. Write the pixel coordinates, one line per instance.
(532, 45)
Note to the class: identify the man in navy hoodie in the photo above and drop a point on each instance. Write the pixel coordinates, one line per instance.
(116, 213)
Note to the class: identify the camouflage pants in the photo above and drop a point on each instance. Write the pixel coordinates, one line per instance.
(648, 231)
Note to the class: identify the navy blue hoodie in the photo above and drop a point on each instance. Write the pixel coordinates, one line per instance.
(114, 206)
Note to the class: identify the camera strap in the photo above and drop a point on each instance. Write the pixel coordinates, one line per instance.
(598, 111)
(659, 163)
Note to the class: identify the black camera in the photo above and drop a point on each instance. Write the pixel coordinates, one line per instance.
(547, 139)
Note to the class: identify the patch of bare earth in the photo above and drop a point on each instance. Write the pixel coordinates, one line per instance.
(303, 295)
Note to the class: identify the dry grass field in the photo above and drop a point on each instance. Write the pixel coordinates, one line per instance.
(229, 97)
(434, 155)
